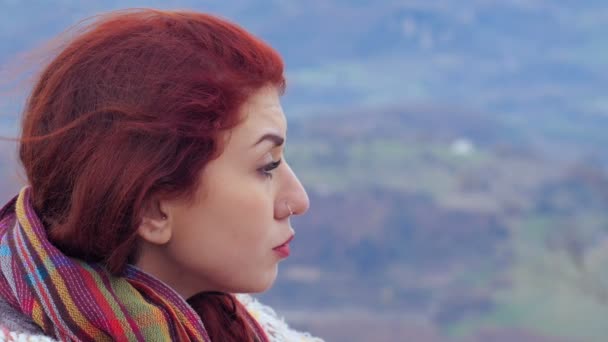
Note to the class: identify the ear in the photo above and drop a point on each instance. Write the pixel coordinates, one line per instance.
(155, 226)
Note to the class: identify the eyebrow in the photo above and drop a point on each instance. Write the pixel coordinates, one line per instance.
(275, 139)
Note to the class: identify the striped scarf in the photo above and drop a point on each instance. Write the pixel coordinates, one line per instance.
(76, 301)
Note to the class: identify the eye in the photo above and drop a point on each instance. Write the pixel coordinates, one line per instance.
(267, 169)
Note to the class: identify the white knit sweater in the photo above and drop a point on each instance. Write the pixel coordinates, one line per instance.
(275, 327)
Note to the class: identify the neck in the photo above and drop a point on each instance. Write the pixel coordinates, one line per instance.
(154, 261)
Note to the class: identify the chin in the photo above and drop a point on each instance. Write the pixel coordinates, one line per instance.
(261, 284)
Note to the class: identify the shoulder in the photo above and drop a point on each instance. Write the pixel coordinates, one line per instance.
(275, 327)
(14, 326)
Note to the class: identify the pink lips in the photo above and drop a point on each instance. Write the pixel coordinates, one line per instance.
(283, 249)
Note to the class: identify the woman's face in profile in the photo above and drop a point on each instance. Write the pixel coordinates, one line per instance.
(226, 239)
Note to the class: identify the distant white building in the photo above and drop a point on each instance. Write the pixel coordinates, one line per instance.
(462, 147)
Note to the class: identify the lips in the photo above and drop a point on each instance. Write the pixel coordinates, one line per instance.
(283, 249)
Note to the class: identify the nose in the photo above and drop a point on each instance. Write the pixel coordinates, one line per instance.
(293, 199)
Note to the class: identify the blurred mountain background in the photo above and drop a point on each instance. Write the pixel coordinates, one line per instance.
(454, 153)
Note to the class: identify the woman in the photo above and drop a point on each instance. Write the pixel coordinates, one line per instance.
(153, 147)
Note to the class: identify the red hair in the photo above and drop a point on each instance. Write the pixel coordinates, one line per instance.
(132, 107)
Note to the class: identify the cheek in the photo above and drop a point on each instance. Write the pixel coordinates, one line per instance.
(242, 198)
(232, 231)
(228, 251)
(247, 216)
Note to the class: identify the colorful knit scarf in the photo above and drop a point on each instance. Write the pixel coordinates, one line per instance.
(75, 301)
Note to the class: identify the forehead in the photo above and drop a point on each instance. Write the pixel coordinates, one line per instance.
(262, 113)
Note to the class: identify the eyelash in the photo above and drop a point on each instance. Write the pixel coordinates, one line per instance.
(267, 169)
